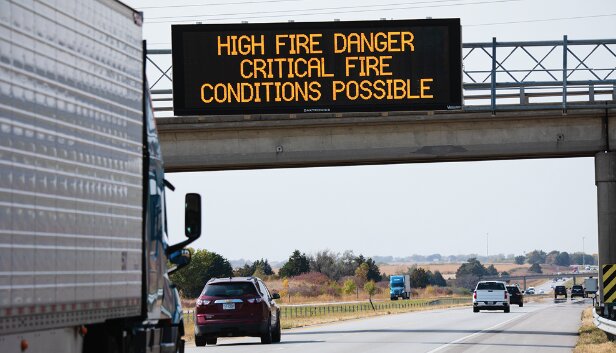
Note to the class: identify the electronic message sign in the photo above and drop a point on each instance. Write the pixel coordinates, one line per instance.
(317, 67)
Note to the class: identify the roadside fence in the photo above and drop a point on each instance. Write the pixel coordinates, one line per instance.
(314, 310)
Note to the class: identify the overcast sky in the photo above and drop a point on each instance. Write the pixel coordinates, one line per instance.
(396, 210)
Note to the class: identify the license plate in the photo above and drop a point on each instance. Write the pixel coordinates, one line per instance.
(228, 306)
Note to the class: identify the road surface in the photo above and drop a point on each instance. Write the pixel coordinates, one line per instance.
(537, 327)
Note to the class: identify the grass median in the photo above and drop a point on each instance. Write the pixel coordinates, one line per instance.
(592, 339)
(306, 315)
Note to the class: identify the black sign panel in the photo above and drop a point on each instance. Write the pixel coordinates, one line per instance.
(317, 67)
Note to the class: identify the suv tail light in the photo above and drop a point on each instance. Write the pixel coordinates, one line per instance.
(475, 295)
(254, 300)
(201, 302)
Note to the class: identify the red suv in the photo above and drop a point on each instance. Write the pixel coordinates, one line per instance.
(236, 306)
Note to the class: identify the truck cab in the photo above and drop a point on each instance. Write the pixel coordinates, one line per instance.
(399, 287)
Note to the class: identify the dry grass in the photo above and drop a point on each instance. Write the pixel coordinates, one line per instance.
(292, 322)
(592, 340)
(449, 269)
(308, 321)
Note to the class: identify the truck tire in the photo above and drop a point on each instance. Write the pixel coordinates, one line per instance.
(266, 337)
(200, 341)
(475, 310)
(507, 309)
(211, 341)
(277, 335)
(521, 305)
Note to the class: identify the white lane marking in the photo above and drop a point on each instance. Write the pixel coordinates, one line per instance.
(487, 329)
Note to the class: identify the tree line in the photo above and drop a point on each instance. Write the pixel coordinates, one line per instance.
(556, 257)
(335, 267)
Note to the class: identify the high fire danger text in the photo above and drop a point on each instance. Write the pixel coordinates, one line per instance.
(317, 67)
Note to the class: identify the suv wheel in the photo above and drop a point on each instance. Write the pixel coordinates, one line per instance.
(521, 305)
(211, 341)
(266, 338)
(277, 335)
(199, 341)
(507, 309)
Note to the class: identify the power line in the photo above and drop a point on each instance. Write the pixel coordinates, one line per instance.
(346, 11)
(299, 10)
(540, 20)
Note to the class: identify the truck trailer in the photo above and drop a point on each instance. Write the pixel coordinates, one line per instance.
(84, 247)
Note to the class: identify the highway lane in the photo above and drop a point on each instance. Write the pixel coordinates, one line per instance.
(537, 327)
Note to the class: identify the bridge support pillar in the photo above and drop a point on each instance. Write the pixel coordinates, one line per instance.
(605, 179)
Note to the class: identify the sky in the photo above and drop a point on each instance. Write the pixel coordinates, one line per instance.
(404, 209)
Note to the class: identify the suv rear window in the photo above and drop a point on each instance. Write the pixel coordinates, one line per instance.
(229, 289)
(490, 286)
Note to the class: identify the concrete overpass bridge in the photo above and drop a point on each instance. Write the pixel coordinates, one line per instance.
(548, 99)
(525, 278)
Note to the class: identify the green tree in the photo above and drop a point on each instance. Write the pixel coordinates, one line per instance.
(349, 287)
(491, 271)
(519, 260)
(536, 257)
(264, 266)
(370, 288)
(471, 267)
(298, 263)
(419, 278)
(374, 273)
(437, 279)
(550, 258)
(203, 266)
(535, 268)
(563, 259)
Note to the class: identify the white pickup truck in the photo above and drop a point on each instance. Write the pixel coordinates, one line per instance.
(491, 295)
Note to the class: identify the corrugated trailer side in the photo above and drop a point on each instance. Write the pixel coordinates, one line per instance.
(71, 172)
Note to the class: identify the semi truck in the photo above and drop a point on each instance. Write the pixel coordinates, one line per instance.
(399, 287)
(85, 255)
(591, 286)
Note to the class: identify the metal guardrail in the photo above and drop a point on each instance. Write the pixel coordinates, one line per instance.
(564, 74)
(331, 309)
(604, 324)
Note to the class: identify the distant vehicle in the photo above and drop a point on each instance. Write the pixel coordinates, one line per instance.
(577, 291)
(541, 291)
(530, 290)
(491, 295)
(515, 295)
(591, 285)
(560, 290)
(587, 268)
(399, 287)
(236, 306)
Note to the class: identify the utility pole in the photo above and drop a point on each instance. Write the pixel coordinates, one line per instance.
(583, 254)
(487, 248)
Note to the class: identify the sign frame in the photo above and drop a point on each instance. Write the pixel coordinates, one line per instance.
(453, 102)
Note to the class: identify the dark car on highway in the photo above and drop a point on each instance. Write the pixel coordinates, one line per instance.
(560, 290)
(236, 306)
(577, 291)
(515, 296)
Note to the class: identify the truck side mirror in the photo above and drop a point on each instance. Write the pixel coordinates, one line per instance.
(192, 219)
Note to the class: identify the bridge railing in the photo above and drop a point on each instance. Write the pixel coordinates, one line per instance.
(564, 74)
